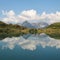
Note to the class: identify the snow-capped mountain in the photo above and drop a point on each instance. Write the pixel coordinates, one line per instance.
(27, 24)
(34, 25)
(40, 25)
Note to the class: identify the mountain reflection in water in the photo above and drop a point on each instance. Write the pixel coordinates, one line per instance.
(30, 42)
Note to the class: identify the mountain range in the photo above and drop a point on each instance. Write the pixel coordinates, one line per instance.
(34, 25)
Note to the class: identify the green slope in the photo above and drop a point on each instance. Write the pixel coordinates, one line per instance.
(54, 30)
(9, 30)
(55, 25)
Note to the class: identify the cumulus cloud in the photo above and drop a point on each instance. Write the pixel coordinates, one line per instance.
(12, 17)
(9, 13)
(29, 15)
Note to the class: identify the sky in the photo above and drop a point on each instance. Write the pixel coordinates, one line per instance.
(28, 9)
(39, 5)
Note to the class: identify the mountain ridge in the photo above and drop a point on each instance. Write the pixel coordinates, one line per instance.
(34, 25)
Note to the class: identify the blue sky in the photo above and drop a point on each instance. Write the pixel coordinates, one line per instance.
(29, 10)
(39, 5)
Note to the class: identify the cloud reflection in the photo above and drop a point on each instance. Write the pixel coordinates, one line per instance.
(31, 42)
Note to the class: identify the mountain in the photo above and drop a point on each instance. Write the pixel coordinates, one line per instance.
(27, 24)
(10, 30)
(34, 25)
(54, 25)
(40, 25)
(53, 30)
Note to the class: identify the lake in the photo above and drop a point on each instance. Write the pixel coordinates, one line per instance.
(30, 47)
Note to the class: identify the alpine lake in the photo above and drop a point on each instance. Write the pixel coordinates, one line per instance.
(30, 47)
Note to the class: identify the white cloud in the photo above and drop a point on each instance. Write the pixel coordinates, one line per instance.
(11, 17)
(29, 15)
(9, 13)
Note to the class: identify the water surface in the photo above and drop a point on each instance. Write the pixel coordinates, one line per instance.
(30, 47)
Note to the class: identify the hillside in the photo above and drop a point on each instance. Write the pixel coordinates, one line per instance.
(55, 25)
(53, 30)
(9, 30)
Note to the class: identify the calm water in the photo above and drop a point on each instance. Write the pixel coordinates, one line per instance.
(30, 47)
